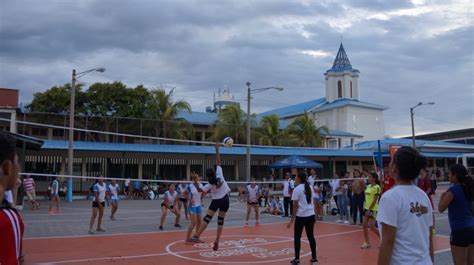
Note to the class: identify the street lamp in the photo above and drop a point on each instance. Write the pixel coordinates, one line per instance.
(70, 153)
(249, 92)
(413, 123)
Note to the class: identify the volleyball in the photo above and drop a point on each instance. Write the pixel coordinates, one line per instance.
(228, 142)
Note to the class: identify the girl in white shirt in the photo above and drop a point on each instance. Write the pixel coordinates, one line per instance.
(113, 188)
(253, 194)
(98, 205)
(303, 216)
(170, 202)
(405, 214)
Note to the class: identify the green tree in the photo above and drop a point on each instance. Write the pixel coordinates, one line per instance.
(231, 122)
(269, 131)
(165, 111)
(304, 132)
(56, 100)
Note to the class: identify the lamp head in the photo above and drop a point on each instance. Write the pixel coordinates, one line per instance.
(102, 69)
(248, 83)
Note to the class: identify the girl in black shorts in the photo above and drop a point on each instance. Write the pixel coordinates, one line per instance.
(220, 199)
(170, 202)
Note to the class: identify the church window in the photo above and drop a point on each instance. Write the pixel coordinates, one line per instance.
(351, 90)
(339, 89)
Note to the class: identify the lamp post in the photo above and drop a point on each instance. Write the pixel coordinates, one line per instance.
(70, 153)
(249, 92)
(412, 120)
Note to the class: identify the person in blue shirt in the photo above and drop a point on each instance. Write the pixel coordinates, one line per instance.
(458, 199)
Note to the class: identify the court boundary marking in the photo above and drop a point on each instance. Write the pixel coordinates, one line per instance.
(190, 251)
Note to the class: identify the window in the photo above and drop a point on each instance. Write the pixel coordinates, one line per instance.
(351, 90)
(339, 89)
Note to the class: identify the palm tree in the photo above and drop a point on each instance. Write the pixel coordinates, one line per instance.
(164, 110)
(304, 132)
(231, 122)
(269, 132)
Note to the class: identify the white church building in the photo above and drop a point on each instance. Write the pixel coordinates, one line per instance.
(349, 119)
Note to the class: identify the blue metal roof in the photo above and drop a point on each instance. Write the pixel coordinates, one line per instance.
(294, 110)
(351, 102)
(385, 144)
(342, 61)
(341, 133)
(196, 149)
(198, 118)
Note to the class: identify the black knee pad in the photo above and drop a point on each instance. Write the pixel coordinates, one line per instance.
(220, 221)
(207, 218)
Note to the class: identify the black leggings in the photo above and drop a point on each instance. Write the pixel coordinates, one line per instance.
(288, 203)
(308, 224)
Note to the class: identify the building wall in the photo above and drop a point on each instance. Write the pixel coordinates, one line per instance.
(8, 98)
(362, 121)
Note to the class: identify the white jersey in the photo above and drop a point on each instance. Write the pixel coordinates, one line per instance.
(305, 209)
(288, 186)
(221, 191)
(194, 194)
(180, 189)
(311, 180)
(113, 190)
(408, 209)
(100, 189)
(253, 193)
(170, 198)
(334, 185)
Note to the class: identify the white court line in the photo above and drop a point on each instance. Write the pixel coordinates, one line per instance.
(188, 251)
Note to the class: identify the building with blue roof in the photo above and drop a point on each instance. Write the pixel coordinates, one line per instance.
(348, 118)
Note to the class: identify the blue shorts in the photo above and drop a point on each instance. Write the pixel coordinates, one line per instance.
(195, 210)
(114, 200)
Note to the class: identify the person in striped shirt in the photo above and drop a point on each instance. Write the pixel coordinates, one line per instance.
(11, 224)
(29, 184)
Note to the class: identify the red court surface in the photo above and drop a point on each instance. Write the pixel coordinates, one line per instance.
(264, 244)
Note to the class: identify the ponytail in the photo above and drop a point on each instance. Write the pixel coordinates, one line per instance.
(464, 179)
(307, 189)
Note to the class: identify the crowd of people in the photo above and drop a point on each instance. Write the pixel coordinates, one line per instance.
(400, 206)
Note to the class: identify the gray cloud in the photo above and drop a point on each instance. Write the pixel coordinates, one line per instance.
(406, 52)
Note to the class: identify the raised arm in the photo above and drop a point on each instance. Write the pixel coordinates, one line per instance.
(218, 155)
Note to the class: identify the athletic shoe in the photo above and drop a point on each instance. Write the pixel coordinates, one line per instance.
(161, 228)
(177, 225)
(90, 232)
(257, 223)
(338, 221)
(100, 230)
(313, 261)
(365, 245)
(433, 232)
(196, 239)
(216, 246)
(346, 222)
(246, 224)
(189, 241)
(295, 261)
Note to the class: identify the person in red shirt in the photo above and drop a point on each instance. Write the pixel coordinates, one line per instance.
(387, 183)
(11, 224)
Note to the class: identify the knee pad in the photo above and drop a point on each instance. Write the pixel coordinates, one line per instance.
(220, 221)
(207, 218)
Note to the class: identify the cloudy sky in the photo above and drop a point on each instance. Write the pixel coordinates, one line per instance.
(406, 51)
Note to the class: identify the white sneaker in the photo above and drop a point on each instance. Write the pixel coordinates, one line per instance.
(346, 222)
(338, 221)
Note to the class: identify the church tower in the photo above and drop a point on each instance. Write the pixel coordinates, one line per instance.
(342, 81)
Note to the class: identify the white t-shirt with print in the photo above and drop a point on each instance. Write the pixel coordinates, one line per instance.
(253, 193)
(288, 185)
(113, 190)
(305, 209)
(170, 198)
(334, 185)
(100, 189)
(194, 194)
(221, 191)
(408, 209)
